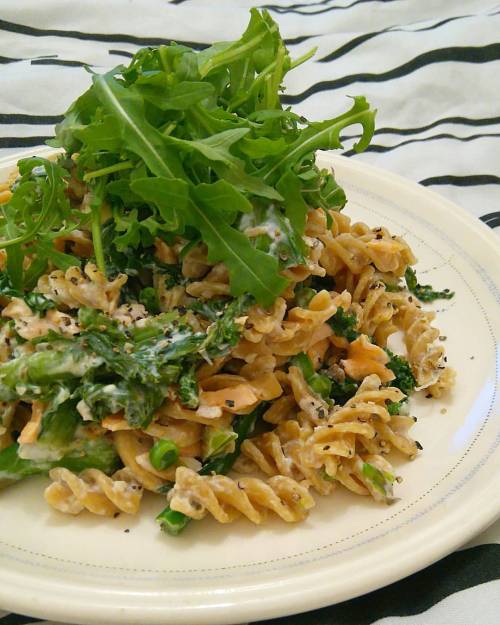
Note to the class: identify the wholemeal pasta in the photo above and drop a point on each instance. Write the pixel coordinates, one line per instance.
(94, 491)
(314, 443)
(187, 310)
(225, 499)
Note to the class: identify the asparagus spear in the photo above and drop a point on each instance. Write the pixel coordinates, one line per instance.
(63, 442)
(46, 367)
(97, 453)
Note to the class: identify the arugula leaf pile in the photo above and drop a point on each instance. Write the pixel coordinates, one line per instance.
(194, 144)
(38, 213)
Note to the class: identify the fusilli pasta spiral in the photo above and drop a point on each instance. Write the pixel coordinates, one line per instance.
(94, 491)
(225, 499)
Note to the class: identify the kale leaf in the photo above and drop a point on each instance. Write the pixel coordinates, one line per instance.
(342, 391)
(188, 388)
(404, 380)
(36, 301)
(344, 324)
(424, 292)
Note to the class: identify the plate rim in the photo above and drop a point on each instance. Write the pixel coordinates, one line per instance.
(310, 598)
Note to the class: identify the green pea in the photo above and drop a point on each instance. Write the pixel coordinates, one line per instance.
(163, 454)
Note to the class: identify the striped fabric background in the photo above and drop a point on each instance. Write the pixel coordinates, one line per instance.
(430, 67)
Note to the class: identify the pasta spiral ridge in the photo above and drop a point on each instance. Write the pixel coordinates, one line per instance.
(94, 491)
(282, 452)
(226, 499)
(425, 356)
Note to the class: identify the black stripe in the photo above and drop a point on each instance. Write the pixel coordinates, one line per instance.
(357, 41)
(17, 619)
(462, 181)
(380, 149)
(463, 54)
(491, 219)
(410, 596)
(281, 10)
(466, 121)
(297, 6)
(493, 223)
(121, 53)
(8, 59)
(22, 29)
(20, 118)
(50, 60)
(22, 142)
(59, 62)
(489, 216)
(296, 40)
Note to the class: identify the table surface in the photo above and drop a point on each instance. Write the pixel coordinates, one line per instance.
(430, 68)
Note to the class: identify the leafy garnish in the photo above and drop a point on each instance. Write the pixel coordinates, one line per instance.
(398, 407)
(342, 391)
(424, 292)
(225, 333)
(36, 301)
(185, 143)
(404, 380)
(320, 383)
(149, 297)
(210, 309)
(188, 388)
(344, 324)
(392, 287)
(37, 213)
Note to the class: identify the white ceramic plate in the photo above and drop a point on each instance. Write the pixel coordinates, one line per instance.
(89, 570)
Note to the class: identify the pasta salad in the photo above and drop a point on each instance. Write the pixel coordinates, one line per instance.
(187, 310)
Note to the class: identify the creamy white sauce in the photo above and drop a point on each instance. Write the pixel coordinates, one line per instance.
(38, 453)
(84, 410)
